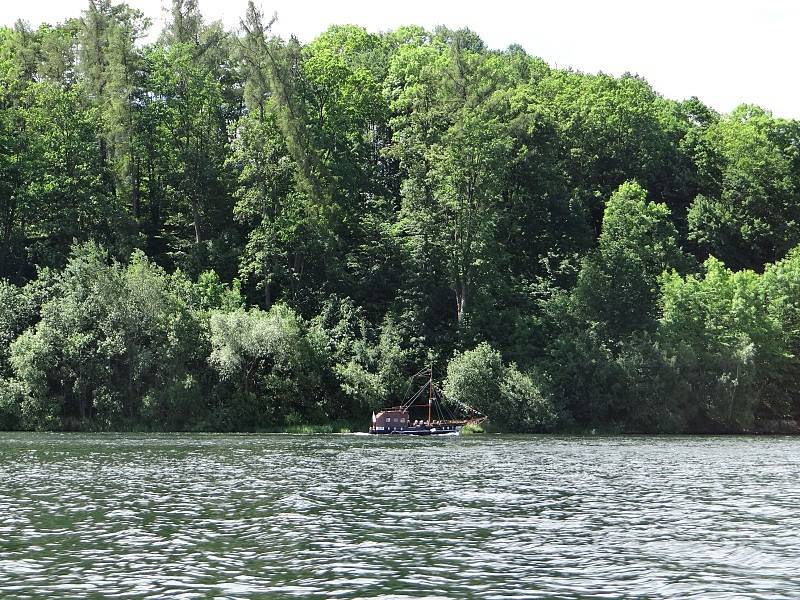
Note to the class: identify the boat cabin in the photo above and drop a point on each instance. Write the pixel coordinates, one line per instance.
(390, 420)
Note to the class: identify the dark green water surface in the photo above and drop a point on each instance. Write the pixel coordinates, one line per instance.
(353, 516)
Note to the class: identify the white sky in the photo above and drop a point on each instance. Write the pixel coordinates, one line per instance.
(724, 52)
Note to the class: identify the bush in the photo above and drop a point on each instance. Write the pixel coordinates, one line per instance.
(269, 364)
(527, 409)
(110, 336)
(473, 379)
(510, 399)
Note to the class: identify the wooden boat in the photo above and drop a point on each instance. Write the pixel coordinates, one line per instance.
(424, 412)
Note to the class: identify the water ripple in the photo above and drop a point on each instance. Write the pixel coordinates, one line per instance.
(184, 516)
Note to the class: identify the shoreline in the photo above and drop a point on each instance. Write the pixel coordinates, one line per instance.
(318, 430)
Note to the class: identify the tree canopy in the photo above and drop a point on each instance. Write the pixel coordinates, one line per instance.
(230, 230)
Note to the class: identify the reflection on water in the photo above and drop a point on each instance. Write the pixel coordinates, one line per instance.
(356, 516)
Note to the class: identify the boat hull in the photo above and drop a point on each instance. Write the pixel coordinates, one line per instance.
(418, 430)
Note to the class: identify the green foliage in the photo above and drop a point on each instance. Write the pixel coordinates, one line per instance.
(370, 365)
(717, 329)
(17, 311)
(228, 230)
(212, 294)
(618, 285)
(612, 130)
(471, 429)
(526, 407)
(748, 215)
(112, 342)
(187, 112)
(474, 378)
(270, 363)
(64, 194)
(510, 399)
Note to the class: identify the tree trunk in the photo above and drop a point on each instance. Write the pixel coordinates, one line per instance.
(196, 218)
(8, 227)
(135, 191)
(297, 271)
(461, 301)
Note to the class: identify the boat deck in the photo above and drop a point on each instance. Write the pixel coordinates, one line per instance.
(432, 429)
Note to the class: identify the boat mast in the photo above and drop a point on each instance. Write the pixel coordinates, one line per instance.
(430, 395)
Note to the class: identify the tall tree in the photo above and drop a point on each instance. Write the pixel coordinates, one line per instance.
(65, 192)
(454, 147)
(748, 214)
(618, 285)
(187, 107)
(112, 73)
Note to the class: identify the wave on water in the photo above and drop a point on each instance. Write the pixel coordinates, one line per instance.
(332, 516)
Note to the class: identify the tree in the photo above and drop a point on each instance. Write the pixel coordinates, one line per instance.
(780, 285)
(612, 130)
(267, 358)
(512, 400)
(467, 175)
(186, 107)
(618, 285)
(748, 213)
(527, 408)
(115, 344)
(717, 331)
(13, 213)
(186, 24)
(65, 192)
(474, 379)
(386, 200)
(17, 311)
(112, 75)
(453, 145)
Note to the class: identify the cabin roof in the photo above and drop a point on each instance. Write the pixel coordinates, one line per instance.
(391, 412)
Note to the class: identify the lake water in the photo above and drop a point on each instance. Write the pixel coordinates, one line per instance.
(349, 516)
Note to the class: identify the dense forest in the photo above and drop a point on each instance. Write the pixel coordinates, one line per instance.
(225, 230)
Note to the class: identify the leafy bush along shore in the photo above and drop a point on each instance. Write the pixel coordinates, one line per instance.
(228, 231)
